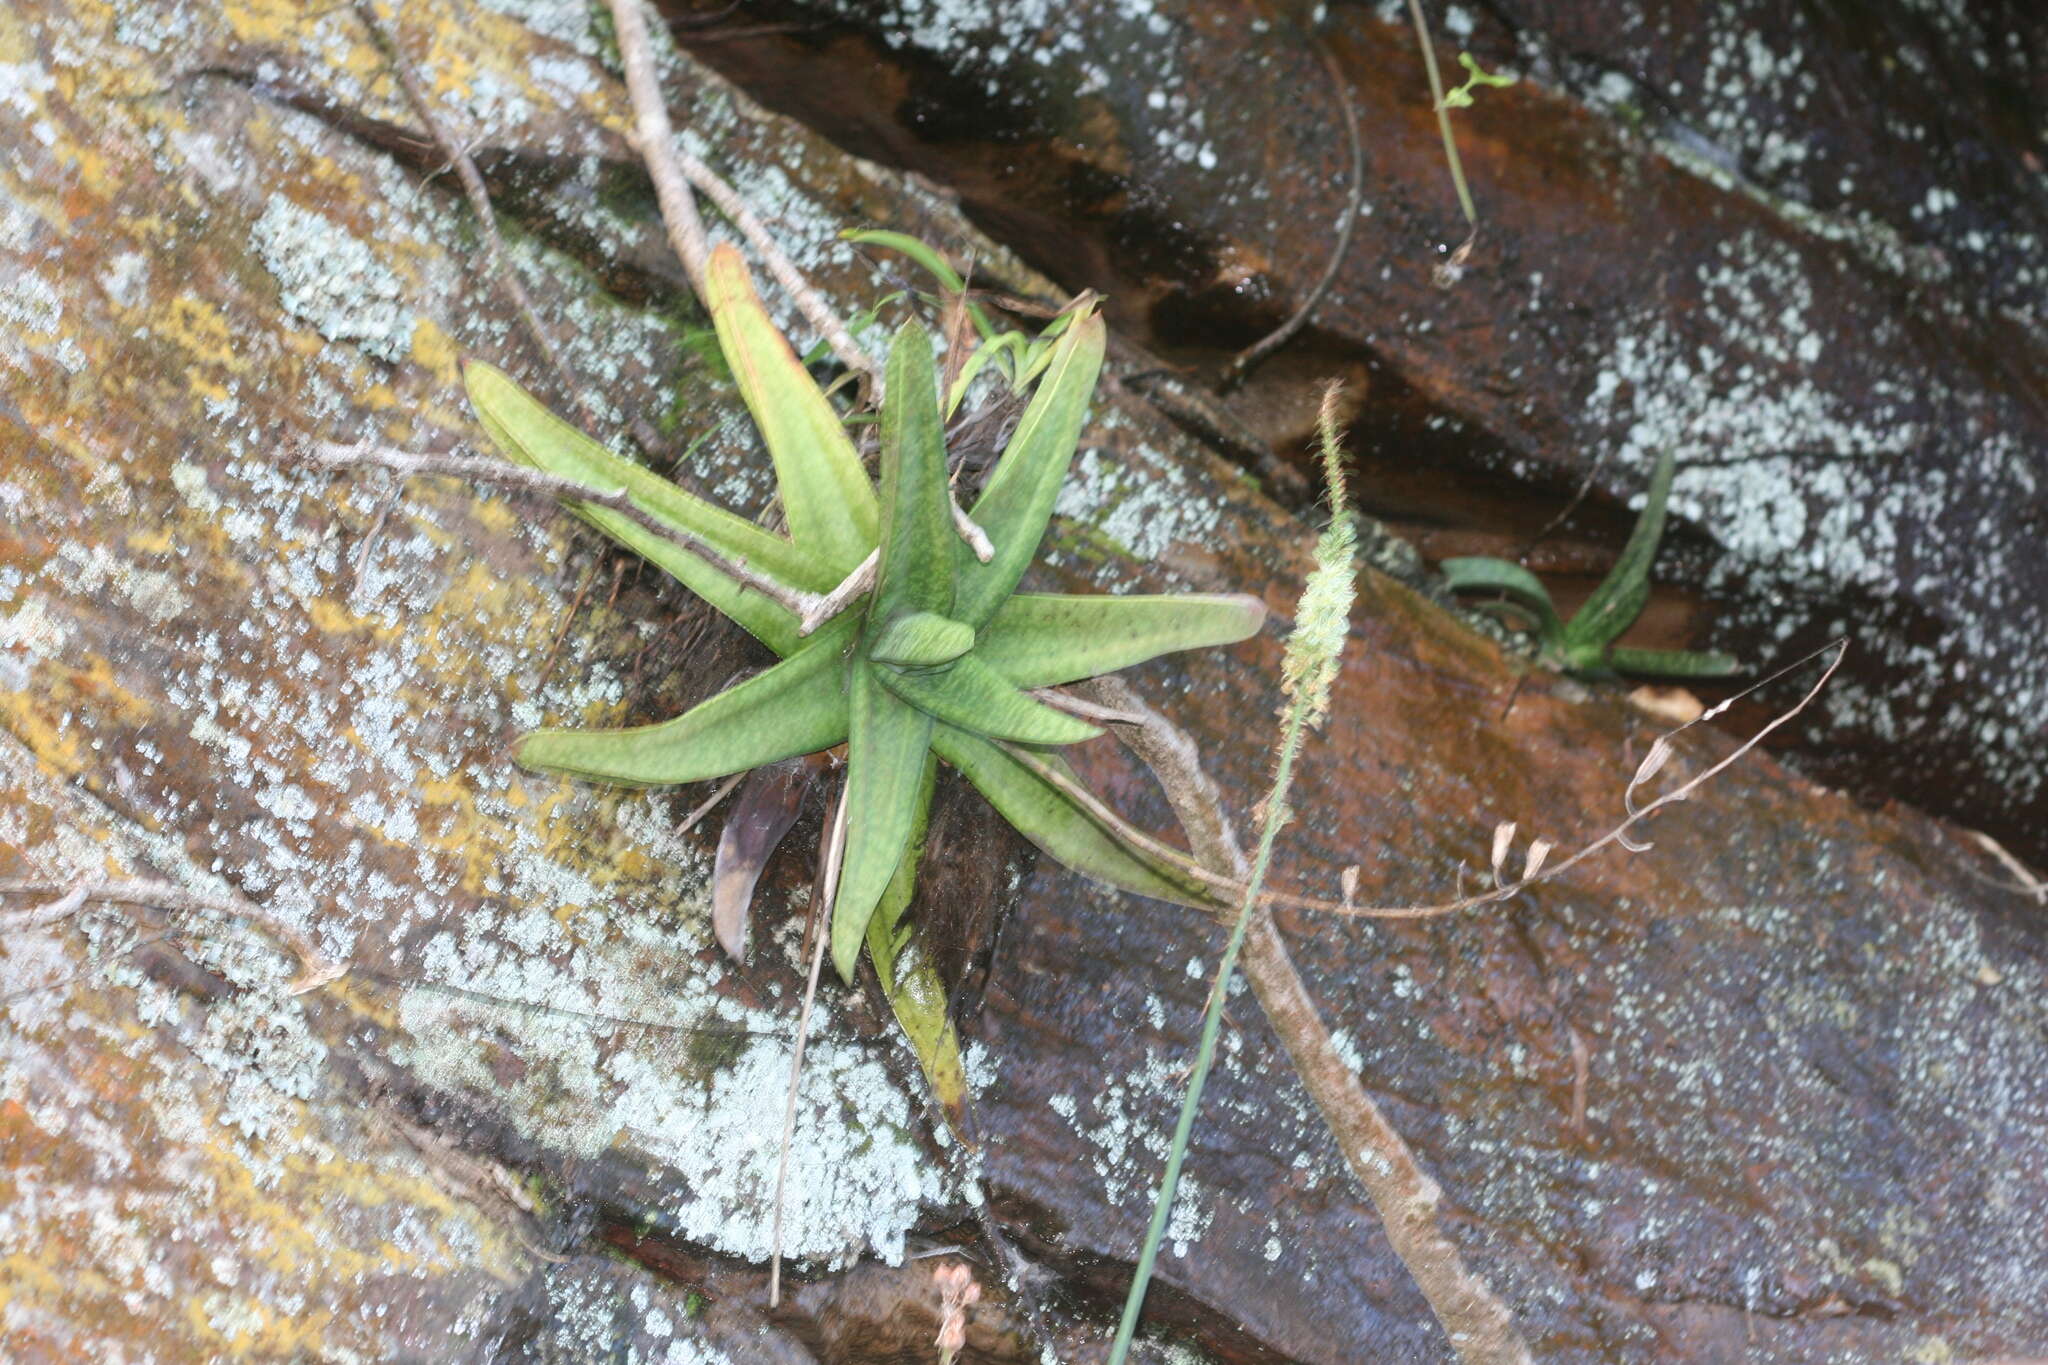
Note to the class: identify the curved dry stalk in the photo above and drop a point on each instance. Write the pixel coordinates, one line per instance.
(1537, 869)
(315, 969)
(1279, 336)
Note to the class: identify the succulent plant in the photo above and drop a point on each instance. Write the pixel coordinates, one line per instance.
(1584, 646)
(938, 660)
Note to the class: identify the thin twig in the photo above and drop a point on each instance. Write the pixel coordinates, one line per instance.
(821, 903)
(473, 188)
(1062, 700)
(823, 609)
(315, 969)
(654, 138)
(547, 664)
(1521, 556)
(2028, 883)
(710, 803)
(368, 455)
(1235, 372)
(673, 169)
(976, 538)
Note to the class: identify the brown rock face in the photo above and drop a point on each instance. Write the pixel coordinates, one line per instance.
(1770, 1091)
(1805, 250)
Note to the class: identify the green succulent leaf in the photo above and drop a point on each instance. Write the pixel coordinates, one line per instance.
(523, 428)
(1017, 501)
(1044, 814)
(1620, 598)
(826, 495)
(916, 994)
(922, 639)
(918, 1000)
(916, 569)
(1043, 639)
(797, 707)
(1672, 663)
(1481, 574)
(973, 696)
(887, 746)
(887, 927)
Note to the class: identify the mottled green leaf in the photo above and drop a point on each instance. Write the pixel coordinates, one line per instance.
(831, 506)
(973, 696)
(885, 760)
(1671, 663)
(918, 999)
(1482, 574)
(1620, 598)
(922, 639)
(797, 707)
(524, 429)
(1017, 501)
(1042, 639)
(916, 569)
(1064, 832)
(912, 985)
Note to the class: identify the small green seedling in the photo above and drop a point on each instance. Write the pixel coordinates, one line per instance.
(1018, 358)
(1584, 646)
(938, 660)
(1461, 98)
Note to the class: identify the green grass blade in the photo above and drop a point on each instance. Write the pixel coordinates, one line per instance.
(1042, 639)
(922, 639)
(1017, 501)
(916, 569)
(831, 506)
(796, 707)
(922, 253)
(1620, 598)
(972, 696)
(1479, 573)
(1010, 344)
(885, 761)
(524, 429)
(1672, 663)
(1044, 815)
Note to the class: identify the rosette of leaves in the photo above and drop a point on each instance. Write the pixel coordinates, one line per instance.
(937, 661)
(1584, 646)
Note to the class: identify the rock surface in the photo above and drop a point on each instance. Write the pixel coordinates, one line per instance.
(1806, 252)
(535, 1120)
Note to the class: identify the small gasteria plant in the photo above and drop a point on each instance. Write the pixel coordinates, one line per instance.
(937, 660)
(1584, 646)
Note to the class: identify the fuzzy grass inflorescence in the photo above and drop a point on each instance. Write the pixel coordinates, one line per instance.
(1307, 671)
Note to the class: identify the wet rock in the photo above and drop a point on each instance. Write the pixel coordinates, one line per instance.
(1811, 1033)
(1805, 251)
